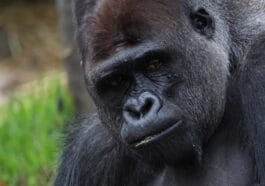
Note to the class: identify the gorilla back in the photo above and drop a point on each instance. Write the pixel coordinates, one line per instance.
(180, 91)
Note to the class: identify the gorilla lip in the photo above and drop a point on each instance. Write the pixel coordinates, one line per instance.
(154, 137)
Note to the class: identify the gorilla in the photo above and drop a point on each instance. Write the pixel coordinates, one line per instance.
(179, 87)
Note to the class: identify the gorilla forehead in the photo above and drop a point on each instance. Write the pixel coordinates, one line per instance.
(110, 27)
(115, 24)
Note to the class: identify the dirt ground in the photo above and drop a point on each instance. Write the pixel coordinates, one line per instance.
(33, 37)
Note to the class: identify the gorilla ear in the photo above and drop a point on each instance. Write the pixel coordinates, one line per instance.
(202, 22)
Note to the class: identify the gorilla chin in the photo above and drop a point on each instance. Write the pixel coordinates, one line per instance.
(173, 146)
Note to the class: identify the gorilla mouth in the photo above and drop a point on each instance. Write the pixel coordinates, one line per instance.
(155, 137)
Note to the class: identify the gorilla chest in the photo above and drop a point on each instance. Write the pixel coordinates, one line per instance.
(220, 171)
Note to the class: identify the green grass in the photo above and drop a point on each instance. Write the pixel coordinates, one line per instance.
(30, 134)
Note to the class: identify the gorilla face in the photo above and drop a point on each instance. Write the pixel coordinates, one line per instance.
(157, 74)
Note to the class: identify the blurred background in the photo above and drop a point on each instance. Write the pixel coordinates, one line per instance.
(41, 88)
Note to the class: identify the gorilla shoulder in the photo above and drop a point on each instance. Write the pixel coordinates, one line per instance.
(87, 146)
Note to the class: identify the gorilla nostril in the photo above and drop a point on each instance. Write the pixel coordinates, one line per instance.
(133, 113)
(147, 107)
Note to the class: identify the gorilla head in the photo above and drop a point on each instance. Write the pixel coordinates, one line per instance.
(157, 71)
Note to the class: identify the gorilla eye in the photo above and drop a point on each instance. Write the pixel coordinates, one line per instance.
(153, 66)
(202, 22)
(116, 80)
(112, 82)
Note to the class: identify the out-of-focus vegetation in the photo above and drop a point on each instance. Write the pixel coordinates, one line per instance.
(8, 2)
(33, 36)
(30, 128)
(33, 114)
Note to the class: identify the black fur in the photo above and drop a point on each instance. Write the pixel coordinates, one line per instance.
(198, 63)
(253, 98)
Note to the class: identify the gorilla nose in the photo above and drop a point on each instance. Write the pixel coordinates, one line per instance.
(141, 109)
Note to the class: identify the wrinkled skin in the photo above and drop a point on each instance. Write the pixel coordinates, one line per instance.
(169, 81)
